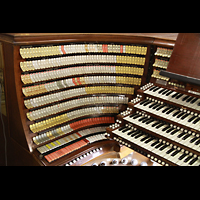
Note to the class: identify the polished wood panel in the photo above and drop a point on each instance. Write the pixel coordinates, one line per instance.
(186, 55)
(44, 38)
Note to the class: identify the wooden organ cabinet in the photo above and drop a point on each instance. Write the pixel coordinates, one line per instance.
(63, 91)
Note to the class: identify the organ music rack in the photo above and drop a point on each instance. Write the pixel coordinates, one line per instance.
(44, 124)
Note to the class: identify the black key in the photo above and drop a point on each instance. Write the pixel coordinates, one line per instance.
(129, 133)
(144, 138)
(185, 98)
(166, 109)
(188, 158)
(133, 114)
(170, 150)
(184, 116)
(161, 91)
(136, 133)
(139, 135)
(192, 118)
(160, 125)
(124, 130)
(169, 130)
(165, 92)
(196, 120)
(189, 99)
(182, 156)
(142, 118)
(156, 142)
(127, 129)
(170, 110)
(197, 142)
(150, 121)
(193, 139)
(149, 140)
(142, 102)
(168, 93)
(155, 124)
(178, 96)
(174, 95)
(175, 131)
(186, 136)
(158, 145)
(176, 113)
(163, 147)
(145, 120)
(160, 107)
(175, 152)
(153, 104)
(156, 106)
(194, 100)
(164, 129)
(152, 88)
(180, 114)
(193, 161)
(146, 103)
(136, 116)
(123, 127)
(181, 134)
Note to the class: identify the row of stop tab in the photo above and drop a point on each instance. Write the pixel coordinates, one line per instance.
(80, 70)
(80, 59)
(66, 129)
(31, 52)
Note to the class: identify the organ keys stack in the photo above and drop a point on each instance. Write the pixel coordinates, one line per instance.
(163, 121)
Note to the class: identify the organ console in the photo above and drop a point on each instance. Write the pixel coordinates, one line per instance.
(76, 99)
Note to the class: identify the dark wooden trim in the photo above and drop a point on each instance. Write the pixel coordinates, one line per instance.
(46, 38)
(180, 77)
